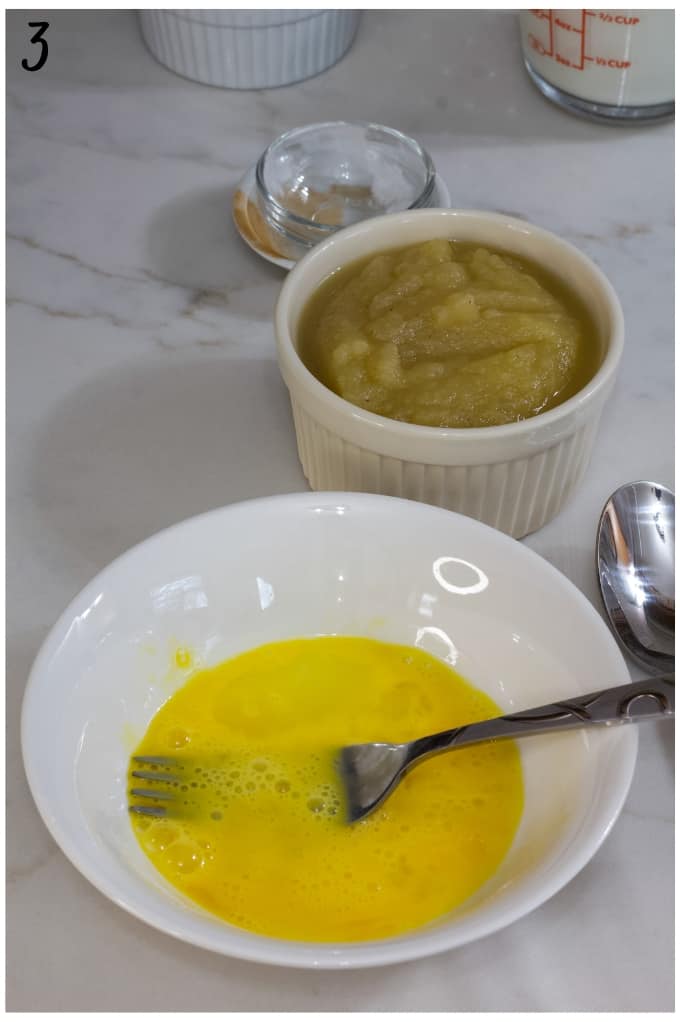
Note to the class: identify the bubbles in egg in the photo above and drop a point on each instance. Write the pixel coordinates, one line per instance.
(258, 834)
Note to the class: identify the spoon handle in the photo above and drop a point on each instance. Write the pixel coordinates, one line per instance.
(624, 704)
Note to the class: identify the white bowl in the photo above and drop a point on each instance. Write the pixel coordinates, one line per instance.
(514, 477)
(302, 565)
(248, 49)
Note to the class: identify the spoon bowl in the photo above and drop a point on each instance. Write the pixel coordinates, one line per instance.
(636, 570)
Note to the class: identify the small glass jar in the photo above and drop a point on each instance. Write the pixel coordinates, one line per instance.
(315, 180)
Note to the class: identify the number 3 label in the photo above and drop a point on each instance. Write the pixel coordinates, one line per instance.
(37, 37)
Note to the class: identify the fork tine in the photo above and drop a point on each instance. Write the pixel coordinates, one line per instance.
(148, 793)
(148, 810)
(150, 775)
(161, 785)
(167, 761)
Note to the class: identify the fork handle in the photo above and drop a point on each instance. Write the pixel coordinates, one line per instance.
(624, 704)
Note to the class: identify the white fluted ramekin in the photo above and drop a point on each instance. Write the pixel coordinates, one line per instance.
(514, 477)
(248, 49)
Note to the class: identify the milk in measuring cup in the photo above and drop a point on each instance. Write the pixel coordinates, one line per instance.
(602, 63)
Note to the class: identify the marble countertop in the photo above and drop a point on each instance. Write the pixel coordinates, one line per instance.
(143, 388)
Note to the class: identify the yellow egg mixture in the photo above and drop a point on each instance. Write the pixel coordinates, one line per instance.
(261, 839)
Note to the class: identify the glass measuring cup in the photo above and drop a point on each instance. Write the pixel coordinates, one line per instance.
(603, 64)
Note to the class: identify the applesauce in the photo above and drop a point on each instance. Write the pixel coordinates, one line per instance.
(449, 334)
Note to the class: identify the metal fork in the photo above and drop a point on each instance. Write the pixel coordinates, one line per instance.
(163, 784)
(370, 772)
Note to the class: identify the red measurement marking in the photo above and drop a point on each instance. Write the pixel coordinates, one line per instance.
(604, 62)
(578, 64)
(617, 19)
(578, 29)
(583, 39)
(537, 44)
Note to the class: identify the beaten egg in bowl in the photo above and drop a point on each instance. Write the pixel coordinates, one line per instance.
(256, 832)
(272, 570)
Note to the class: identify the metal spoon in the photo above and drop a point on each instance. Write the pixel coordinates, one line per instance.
(636, 569)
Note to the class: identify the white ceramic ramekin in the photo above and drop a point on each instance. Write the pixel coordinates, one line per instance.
(248, 49)
(514, 477)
